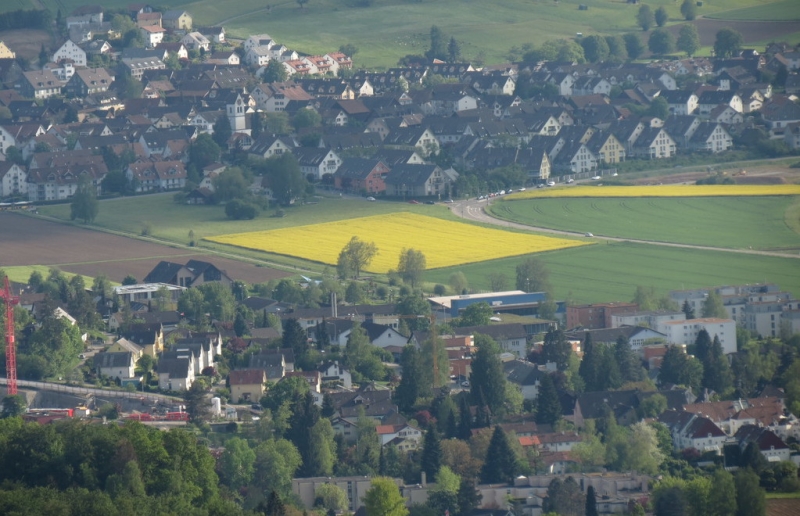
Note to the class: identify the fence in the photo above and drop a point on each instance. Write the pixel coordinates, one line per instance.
(72, 389)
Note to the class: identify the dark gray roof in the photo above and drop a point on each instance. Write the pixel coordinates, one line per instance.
(521, 372)
(113, 359)
(496, 331)
(175, 367)
(410, 175)
(164, 272)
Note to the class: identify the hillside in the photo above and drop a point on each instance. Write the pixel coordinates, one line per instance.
(388, 29)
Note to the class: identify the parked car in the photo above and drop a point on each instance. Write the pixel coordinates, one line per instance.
(570, 180)
(587, 234)
(551, 183)
(595, 178)
(371, 199)
(413, 201)
(430, 202)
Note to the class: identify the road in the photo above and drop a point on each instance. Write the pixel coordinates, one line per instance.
(474, 210)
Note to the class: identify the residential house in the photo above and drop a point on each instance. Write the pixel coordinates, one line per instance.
(511, 337)
(258, 40)
(623, 404)
(88, 81)
(177, 19)
(681, 102)
(175, 374)
(268, 145)
(772, 447)
(194, 273)
(591, 86)
(215, 33)
(406, 432)
(116, 365)
(685, 332)
(40, 84)
(152, 35)
(711, 137)
(654, 143)
(144, 292)
(70, 51)
(247, 385)
(272, 364)
(85, 15)
(690, 430)
(174, 49)
(13, 180)
(151, 19)
(419, 138)
(524, 374)
(606, 148)
(138, 65)
(333, 372)
(418, 181)
(196, 41)
(708, 100)
(61, 182)
(148, 336)
(317, 163)
(225, 58)
(122, 345)
(361, 175)
(148, 176)
(5, 52)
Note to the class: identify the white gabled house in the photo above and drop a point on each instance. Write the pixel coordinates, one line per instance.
(711, 137)
(71, 51)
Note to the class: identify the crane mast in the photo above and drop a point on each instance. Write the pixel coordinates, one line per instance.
(11, 350)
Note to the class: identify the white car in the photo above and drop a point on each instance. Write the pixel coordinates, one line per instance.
(588, 234)
(370, 199)
(614, 174)
(521, 190)
(595, 178)
(570, 181)
(551, 183)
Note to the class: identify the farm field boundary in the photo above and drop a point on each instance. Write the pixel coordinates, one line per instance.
(658, 191)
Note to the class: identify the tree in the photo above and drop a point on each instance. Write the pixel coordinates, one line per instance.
(458, 282)
(750, 498)
(274, 72)
(408, 391)
(476, 314)
(84, 205)
(222, 131)
(295, 337)
(633, 45)
(590, 364)
(487, 380)
(383, 498)
(437, 49)
(670, 501)
(305, 118)
(565, 498)
(331, 497)
(197, 404)
(728, 43)
(356, 255)
(13, 405)
(468, 497)
(548, 406)
(713, 306)
(498, 282)
(680, 369)
(688, 40)
(689, 9)
(431, 459)
(595, 48)
(501, 462)
(722, 496)
(717, 374)
(349, 50)
(687, 310)
(645, 17)
(285, 177)
(411, 266)
(617, 52)
(237, 463)
(354, 294)
(556, 349)
(453, 50)
(533, 276)
(661, 16)
(591, 502)
(204, 151)
(661, 42)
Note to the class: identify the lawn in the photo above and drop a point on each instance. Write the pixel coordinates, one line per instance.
(444, 243)
(611, 272)
(22, 273)
(735, 222)
(779, 11)
(390, 29)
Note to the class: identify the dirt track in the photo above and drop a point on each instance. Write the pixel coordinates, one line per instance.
(29, 241)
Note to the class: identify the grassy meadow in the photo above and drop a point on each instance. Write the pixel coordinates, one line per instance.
(611, 271)
(735, 222)
(778, 11)
(390, 29)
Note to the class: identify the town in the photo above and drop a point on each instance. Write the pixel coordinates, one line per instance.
(353, 389)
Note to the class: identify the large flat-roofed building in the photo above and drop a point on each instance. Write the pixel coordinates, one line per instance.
(685, 332)
(596, 316)
(143, 292)
(512, 301)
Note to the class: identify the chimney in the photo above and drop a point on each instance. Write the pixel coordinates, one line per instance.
(424, 479)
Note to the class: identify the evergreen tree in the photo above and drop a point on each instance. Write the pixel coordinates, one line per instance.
(487, 375)
(548, 406)
(717, 373)
(713, 306)
(305, 415)
(630, 367)
(431, 453)
(565, 498)
(590, 364)
(464, 418)
(687, 310)
(556, 349)
(591, 502)
(274, 506)
(295, 337)
(722, 495)
(468, 497)
(437, 49)
(500, 465)
(321, 335)
(328, 408)
(256, 125)
(407, 392)
(453, 50)
(222, 131)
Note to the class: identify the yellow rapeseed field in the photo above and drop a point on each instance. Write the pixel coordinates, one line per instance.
(444, 243)
(658, 191)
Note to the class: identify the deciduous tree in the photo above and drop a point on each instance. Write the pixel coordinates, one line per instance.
(411, 266)
(384, 499)
(645, 17)
(84, 205)
(661, 42)
(487, 381)
(688, 40)
(661, 16)
(689, 9)
(633, 45)
(356, 255)
(728, 43)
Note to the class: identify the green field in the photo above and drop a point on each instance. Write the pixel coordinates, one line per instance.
(779, 11)
(611, 272)
(735, 222)
(390, 29)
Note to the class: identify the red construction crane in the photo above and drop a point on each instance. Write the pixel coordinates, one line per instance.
(11, 350)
